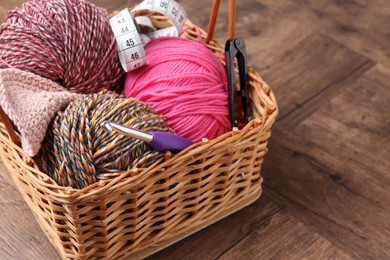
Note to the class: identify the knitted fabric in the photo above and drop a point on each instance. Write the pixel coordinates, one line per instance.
(31, 101)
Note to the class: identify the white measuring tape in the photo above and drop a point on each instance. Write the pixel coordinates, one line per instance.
(130, 43)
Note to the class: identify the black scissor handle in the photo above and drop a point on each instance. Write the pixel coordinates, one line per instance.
(235, 48)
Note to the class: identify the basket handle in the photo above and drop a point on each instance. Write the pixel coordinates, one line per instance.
(10, 129)
(213, 19)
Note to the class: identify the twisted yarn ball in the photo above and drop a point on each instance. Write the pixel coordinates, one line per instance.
(78, 152)
(67, 41)
(184, 81)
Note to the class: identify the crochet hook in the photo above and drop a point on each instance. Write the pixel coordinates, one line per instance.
(160, 141)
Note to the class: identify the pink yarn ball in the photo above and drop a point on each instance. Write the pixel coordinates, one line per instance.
(184, 81)
(67, 41)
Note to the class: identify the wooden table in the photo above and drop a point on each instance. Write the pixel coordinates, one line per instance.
(326, 173)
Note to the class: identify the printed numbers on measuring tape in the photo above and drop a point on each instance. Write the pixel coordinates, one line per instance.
(130, 42)
(169, 8)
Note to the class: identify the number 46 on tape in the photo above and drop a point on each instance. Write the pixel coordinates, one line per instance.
(130, 43)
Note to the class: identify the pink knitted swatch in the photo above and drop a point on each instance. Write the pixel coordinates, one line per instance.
(31, 101)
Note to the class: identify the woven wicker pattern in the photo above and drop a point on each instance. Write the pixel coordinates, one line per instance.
(145, 210)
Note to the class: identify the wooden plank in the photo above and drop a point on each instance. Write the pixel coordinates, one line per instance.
(283, 237)
(323, 200)
(331, 169)
(20, 235)
(116, 5)
(268, 46)
(311, 68)
(360, 25)
(318, 99)
(371, 95)
(252, 17)
(219, 237)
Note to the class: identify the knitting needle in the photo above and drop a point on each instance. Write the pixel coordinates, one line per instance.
(232, 18)
(160, 141)
(212, 20)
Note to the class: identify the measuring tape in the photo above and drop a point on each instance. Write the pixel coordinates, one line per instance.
(130, 42)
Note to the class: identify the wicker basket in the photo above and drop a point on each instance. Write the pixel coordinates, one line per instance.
(146, 210)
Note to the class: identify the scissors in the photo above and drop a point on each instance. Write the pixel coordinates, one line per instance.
(235, 48)
(160, 141)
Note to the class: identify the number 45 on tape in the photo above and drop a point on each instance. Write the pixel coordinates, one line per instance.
(130, 43)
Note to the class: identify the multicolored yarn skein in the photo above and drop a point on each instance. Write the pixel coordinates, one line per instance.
(184, 81)
(67, 41)
(78, 152)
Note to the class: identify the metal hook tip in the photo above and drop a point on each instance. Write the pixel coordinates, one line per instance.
(106, 126)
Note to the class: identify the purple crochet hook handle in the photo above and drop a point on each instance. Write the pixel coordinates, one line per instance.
(160, 141)
(163, 141)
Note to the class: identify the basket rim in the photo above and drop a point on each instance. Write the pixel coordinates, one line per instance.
(128, 177)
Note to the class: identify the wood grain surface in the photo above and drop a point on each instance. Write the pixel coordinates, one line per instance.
(326, 175)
